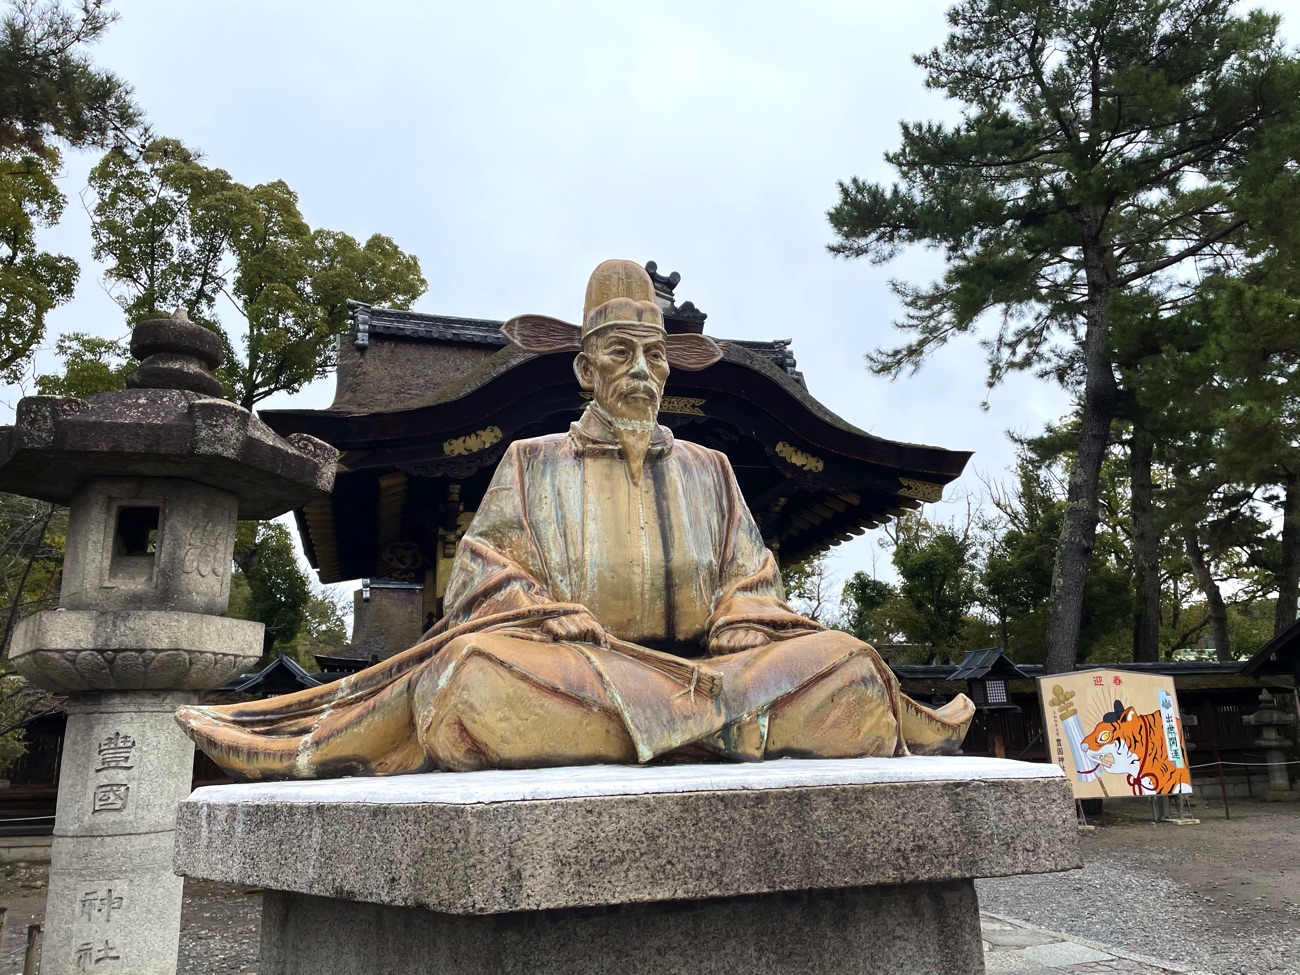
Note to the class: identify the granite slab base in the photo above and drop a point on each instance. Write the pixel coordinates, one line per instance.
(846, 866)
(912, 929)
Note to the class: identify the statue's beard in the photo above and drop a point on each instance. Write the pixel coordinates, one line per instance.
(633, 425)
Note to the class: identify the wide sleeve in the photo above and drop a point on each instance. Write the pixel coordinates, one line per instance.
(497, 566)
(749, 590)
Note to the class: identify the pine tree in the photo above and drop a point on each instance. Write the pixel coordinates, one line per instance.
(50, 89)
(1090, 165)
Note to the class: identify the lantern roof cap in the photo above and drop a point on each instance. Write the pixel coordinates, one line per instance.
(170, 422)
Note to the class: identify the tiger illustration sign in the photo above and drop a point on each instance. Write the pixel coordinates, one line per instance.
(1115, 733)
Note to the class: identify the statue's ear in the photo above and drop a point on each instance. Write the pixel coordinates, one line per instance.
(582, 368)
(541, 334)
(692, 352)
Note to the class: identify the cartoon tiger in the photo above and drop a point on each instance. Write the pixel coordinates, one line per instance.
(1133, 745)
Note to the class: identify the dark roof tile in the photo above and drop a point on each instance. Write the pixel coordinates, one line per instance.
(367, 320)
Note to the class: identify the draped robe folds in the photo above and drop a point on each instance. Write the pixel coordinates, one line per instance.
(667, 564)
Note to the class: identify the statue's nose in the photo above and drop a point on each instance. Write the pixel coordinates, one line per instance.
(639, 369)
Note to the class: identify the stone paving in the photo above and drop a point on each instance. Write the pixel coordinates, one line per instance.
(1012, 946)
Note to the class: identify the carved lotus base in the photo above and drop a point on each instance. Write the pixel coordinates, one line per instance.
(74, 650)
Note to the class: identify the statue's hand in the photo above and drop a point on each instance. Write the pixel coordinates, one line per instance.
(737, 638)
(576, 628)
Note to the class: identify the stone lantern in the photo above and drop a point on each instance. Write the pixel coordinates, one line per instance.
(1270, 719)
(155, 477)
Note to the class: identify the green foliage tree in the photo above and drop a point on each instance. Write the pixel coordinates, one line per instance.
(810, 588)
(937, 578)
(1146, 541)
(1252, 428)
(50, 92)
(21, 703)
(324, 629)
(269, 584)
(177, 233)
(163, 253)
(1224, 388)
(867, 605)
(32, 535)
(31, 555)
(32, 282)
(1090, 163)
(1221, 412)
(1015, 579)
(91, 364)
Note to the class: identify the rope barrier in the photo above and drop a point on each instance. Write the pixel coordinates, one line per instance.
(1246, 764)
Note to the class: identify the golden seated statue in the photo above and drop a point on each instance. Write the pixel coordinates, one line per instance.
(590, 550)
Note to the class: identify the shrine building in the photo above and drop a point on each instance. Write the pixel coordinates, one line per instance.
(425, 405)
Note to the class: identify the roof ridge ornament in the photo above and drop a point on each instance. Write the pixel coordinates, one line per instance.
(359, 312)
(677, 318)
(664, 283)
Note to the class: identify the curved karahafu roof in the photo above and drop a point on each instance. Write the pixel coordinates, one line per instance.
(426, 405)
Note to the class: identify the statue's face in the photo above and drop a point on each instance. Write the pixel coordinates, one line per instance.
(625, 367)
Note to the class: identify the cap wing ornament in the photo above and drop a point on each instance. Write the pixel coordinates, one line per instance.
(691, 352)
(541, 334)
(618, 293)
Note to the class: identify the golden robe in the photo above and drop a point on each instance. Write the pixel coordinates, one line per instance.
(665, 565)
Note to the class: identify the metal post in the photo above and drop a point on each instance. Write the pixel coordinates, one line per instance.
(1223, 786)
(32, 957)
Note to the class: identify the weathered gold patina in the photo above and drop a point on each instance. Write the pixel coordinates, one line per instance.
(612, 601)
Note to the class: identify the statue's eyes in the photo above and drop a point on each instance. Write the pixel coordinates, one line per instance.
(656, 354)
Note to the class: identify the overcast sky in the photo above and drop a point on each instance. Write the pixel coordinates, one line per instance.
(514, 146)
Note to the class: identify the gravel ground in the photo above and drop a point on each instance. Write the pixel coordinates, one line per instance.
(220, 924)
(1221, 896)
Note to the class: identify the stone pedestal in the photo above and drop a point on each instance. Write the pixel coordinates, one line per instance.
(112, 893)
(862, 865)
(126, 764)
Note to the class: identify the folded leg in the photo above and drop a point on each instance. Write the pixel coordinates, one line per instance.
(827, 695)
(499, 701)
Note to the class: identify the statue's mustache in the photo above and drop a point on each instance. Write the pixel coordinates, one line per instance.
(634, 386)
